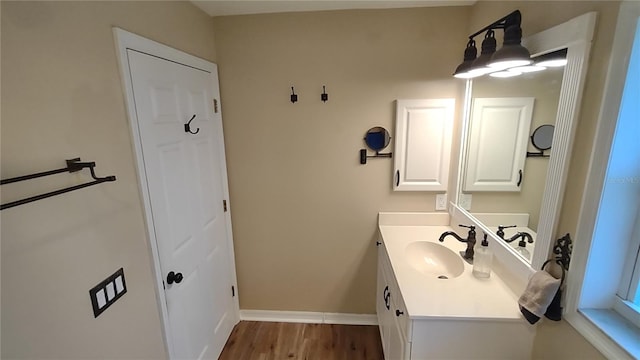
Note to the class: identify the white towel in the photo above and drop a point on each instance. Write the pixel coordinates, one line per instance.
(539, 293)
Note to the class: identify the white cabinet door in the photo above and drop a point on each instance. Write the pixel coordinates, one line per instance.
(381, 305)
(392, 328)
(423, 144)
(498, 139)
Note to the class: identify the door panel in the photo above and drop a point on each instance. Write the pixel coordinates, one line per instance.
(498, 143)
(186, 188)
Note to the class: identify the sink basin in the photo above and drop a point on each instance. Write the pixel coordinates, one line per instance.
(434, 260)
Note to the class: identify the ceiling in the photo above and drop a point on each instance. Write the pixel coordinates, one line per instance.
(243, 7)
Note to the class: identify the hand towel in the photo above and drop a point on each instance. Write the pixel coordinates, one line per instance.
(538, 295)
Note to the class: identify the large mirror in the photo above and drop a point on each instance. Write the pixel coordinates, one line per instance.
(496, 189)
(501, 151)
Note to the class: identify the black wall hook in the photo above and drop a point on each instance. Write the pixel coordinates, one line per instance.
(294, 97)
(187, 126)
(324, 96)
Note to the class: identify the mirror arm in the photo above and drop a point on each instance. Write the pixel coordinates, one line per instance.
(537, 154)
(364, 156)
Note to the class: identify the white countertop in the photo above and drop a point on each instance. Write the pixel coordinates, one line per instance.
(464, 297)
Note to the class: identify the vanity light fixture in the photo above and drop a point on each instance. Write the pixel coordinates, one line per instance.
(512, 53)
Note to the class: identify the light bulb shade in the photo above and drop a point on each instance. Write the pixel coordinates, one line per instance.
(488, 48)
(505, 74)
(511, 54)
(470, 53)
(528, 68)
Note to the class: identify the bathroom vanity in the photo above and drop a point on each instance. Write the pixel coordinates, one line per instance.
(430, 306)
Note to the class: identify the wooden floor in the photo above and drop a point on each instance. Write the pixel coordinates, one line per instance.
(271, 340)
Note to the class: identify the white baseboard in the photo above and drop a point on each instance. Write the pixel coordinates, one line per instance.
(309, 317)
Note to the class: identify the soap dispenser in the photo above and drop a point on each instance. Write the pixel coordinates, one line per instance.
(482, 260)
(522, 250)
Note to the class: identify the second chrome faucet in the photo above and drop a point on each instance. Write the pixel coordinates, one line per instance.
(470, 240)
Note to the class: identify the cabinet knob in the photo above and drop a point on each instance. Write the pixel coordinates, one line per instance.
(378, 243)
(398, 312)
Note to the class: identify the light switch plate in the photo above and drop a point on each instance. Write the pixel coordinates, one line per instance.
(107, 292)
(441, 201)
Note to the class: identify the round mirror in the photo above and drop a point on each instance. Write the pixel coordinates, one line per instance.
(543, 137)
(377, 138)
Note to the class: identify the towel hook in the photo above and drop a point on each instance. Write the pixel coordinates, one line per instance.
(187, 126)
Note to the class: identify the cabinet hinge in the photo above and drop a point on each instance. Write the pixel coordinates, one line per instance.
(215, 106)
(224, 205)
(233, 291)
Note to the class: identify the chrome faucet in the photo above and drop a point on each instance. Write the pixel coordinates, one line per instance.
(470, 240)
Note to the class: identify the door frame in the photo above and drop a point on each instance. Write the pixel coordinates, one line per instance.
(124, 41)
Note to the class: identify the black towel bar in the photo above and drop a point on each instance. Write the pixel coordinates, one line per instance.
(73, 165)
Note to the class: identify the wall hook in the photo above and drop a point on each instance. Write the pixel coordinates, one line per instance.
(324, 96)
(294, 97)
(187, 126)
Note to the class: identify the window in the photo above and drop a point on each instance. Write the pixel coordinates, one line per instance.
(604, 306)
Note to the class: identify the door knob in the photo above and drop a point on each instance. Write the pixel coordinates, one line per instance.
(398, 312)
(174, 277)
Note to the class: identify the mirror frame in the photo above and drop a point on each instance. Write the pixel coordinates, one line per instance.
(575, 35)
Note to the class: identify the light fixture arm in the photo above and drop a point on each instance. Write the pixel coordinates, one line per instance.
(514, 18)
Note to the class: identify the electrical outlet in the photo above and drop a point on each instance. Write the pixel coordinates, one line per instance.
(465, 201)
(441, 201)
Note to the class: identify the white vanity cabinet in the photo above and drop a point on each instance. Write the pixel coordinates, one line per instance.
(422, 318)
(498, 143)
(423, 144)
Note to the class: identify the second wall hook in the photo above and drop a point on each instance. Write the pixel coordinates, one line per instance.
(324, 96)
(294, 97)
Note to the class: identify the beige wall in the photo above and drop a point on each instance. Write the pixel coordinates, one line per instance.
(561, 341)
(304, 209)
(62, 98)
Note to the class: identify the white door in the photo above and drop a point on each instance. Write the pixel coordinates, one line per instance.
(184, 175)
(498, 143)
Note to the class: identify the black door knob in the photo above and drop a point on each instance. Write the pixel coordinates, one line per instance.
(398, 312)
(174, 277)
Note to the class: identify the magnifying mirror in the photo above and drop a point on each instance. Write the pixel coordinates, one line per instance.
(377, 138)
(541, 139)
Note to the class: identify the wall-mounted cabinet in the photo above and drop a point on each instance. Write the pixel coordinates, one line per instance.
(498, 143)
(423, 144)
